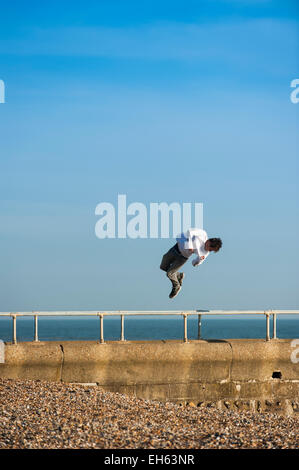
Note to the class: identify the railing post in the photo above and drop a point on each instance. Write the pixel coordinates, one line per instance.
(185, 328)
(267, 326)
(274, 326)
(35, 328)
(199, 326)
(14, 329)
(122, 335)
(101, 328)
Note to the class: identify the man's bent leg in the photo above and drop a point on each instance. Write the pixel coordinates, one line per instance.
(180, 277)
(171, 262)
(168, 259)
(172, 272)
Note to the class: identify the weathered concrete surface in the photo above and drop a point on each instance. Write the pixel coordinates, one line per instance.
(145, 362)
(40, 360)
(232, 373)
(258, 359)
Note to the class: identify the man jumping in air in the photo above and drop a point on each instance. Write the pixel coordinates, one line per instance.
(193, 241)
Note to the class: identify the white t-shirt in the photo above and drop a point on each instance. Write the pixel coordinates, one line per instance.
(193, 241)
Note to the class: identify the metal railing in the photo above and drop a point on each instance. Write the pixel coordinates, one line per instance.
(122, 315)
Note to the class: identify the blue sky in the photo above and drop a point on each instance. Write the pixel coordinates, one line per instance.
(161, 101)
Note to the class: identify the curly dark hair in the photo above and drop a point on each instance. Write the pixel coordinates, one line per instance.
(215, 243)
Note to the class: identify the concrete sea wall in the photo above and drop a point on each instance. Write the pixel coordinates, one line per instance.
(240, 374)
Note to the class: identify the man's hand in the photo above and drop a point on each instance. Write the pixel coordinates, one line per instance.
(196, 263)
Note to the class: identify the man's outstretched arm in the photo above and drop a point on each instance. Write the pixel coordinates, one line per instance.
(200, 258)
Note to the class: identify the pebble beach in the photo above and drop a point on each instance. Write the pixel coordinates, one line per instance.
(51, 415)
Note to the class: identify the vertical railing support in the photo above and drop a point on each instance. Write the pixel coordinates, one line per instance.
(122, 328)
(267, 326)
(101, 328)
(185, 328)
(35, 328)
(199, 326)
(274, 326)
(14, 329)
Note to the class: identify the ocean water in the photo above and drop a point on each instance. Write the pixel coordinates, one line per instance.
(148, 327)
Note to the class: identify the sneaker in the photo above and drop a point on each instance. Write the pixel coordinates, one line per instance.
(180, 277)
(175, 290)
